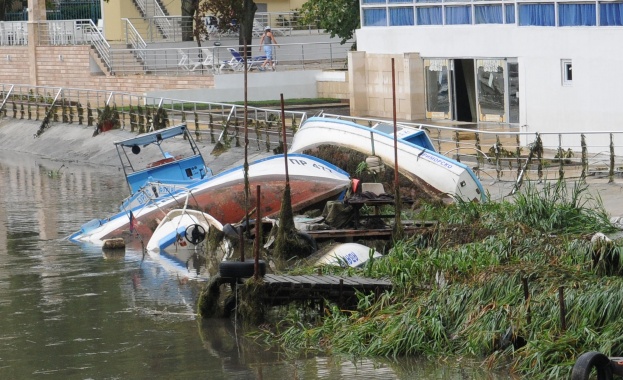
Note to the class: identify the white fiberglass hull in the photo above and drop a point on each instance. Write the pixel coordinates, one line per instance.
(354, 255)
(222, 196)
(438, 174)
(172, 229)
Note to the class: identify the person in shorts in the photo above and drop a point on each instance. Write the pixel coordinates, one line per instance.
(267, 40)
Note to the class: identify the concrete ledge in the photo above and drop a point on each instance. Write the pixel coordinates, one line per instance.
(265, 85)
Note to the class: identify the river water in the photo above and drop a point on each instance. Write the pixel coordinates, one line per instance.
(69, 312)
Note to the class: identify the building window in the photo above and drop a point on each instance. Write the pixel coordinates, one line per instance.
(567, 72)
(510, 13)
(488, 14)
(577, 15)
(537, 15)
(375, 17)
(429, 16)
(458, 15)
(611, 14)
(401, 16)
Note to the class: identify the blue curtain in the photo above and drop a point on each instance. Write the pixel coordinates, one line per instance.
(374, 17)
(577, 15)
(428, 1)
(537, 14)
(458, 15)
(399, 1)
(488, 14)
(510, 13)
(373, 1)
(611, 14)
(429, 16)
(401, 16)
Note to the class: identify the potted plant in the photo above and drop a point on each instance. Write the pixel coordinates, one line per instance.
(108, 119)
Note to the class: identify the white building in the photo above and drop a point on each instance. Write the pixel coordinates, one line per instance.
(549, 66)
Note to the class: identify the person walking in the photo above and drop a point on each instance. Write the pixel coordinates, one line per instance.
(267, 40)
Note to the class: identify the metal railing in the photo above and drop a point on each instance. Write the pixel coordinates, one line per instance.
(134, 39)
(164, 24)
(501, 152)
(496, 152)
(217, 59)
(13, 33)
(213, 122)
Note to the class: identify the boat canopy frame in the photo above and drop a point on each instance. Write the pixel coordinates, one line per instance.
(135, 144)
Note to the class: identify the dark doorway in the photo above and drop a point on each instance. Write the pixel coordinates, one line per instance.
(464, 90)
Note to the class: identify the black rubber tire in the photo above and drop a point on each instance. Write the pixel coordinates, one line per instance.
(589, 360)
(240, 269)
(195, 234)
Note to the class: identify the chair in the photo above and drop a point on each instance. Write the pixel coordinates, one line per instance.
(208, 60)
(189, 64)
(236, 63)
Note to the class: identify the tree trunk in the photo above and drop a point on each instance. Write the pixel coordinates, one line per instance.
(246, 25)
(189, 8)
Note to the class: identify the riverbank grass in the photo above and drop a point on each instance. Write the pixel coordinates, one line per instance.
(518, 285)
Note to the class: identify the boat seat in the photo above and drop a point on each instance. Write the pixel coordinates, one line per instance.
(160, 162)
(373, 187)
(165, 160)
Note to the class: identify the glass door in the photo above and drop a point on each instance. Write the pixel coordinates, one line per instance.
(436, 72)
(491, 90)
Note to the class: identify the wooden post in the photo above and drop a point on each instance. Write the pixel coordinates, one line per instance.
(526, 296)
(241, 234)
(398, 230)
(258, 229)
(563, 311)
(285, 141)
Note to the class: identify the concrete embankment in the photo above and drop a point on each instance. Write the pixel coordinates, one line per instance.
(76, 144)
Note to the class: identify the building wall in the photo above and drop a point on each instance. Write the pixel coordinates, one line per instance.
(333, 84)
(73, 71)
(589, 103)
(14, 65)
(282, 5)
(371, 90)
(112, 14)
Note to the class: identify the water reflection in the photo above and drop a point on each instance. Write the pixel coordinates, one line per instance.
(69, 311)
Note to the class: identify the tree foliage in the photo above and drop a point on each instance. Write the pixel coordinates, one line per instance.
(232, 13)
(337, 17)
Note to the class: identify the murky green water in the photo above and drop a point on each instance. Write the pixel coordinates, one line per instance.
(68, 312)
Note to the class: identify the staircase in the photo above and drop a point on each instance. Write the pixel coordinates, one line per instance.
(155, 13)
(123, 61)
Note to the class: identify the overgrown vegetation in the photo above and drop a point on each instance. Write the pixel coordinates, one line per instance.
(485, 283)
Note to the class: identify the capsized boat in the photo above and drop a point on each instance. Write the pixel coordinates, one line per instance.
(181, 227)
(417, 158)
(353, 255)
(312, 181)
(181, 238)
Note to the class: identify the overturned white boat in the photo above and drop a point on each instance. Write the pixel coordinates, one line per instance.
(417, 158)
(180, 227)
(353, 255)
(181, 238)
